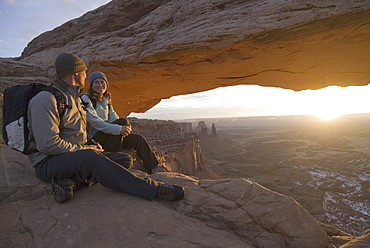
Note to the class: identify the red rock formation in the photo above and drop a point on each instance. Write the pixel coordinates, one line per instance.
(151, 50)
(174, 143)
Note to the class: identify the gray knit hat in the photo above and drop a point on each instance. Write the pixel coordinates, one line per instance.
(95, 75)
(67, 63)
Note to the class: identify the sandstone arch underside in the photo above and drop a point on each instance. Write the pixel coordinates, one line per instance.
(152, 50)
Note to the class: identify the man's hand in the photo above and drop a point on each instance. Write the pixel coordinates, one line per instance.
(125, 130)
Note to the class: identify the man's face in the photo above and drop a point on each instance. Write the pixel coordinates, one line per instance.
(80, 79)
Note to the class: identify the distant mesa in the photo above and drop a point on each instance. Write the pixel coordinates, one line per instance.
(202, 130)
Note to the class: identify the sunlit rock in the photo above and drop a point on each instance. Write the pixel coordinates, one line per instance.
(151, 50)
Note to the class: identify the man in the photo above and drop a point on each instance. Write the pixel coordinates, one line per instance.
(65, 158)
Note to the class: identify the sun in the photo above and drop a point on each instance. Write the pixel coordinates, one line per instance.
(329, 104)
(328, 112)
(327, 116)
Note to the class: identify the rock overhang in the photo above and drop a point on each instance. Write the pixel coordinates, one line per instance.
(168, 48)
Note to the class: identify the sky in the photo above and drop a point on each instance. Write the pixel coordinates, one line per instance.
(251, 100)
(23, 20)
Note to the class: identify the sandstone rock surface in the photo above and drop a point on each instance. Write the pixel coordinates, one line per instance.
(151, 50)
(214, 213)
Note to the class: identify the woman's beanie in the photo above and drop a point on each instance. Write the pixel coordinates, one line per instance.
(67, 63)
(95, 75)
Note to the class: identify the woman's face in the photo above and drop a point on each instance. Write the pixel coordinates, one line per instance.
(99, 86)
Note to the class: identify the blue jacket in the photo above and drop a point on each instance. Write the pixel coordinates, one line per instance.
(101, 117)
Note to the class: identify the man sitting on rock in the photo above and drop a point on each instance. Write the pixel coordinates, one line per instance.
(64, 155)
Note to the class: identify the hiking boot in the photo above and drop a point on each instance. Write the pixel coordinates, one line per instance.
(158, 168)
(171, 192)
(63, 189)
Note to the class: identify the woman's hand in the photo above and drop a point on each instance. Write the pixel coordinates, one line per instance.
(96, 146)
(125, 130)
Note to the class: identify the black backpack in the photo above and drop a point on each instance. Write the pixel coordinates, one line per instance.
(15, 105)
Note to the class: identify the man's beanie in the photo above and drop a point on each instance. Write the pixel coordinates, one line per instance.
(67, 63)
(95, 75)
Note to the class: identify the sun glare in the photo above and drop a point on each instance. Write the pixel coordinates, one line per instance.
(327, 116)
(252, 100)
(332, 102)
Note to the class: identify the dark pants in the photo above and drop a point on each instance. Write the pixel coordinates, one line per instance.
(115, 143)
(109, 169)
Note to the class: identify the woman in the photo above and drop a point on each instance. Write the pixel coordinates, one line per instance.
(112, 132)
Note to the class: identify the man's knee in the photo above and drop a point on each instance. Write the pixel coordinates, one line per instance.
(121, 158)
(88, 154)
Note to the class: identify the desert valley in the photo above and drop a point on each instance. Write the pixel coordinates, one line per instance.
(324, 165)
(279, 181)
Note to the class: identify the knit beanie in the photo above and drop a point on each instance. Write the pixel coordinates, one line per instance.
(67, 63)
(95, 75)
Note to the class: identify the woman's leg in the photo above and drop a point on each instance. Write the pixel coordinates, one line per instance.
(110, 143)
(142, 148)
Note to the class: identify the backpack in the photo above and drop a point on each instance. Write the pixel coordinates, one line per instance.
(15, 120)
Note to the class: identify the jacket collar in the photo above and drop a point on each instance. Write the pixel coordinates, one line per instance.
(67, 88)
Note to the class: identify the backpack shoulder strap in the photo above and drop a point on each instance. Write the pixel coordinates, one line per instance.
(61, 103)
(93, 101)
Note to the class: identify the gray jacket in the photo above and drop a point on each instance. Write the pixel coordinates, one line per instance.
(54, 136)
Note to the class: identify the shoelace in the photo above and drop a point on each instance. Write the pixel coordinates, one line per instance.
(165, 191)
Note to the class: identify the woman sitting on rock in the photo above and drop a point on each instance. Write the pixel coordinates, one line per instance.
(112, 132)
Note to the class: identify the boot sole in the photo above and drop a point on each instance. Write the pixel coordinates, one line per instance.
(178, 193)
(61, 194)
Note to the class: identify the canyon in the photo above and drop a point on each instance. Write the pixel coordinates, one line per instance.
(152, 50)
(227, 203)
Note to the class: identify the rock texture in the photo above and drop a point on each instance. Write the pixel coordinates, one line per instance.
(360, 242)
(15, 72)
(151, 50)
(176, 145)
(214, 213)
